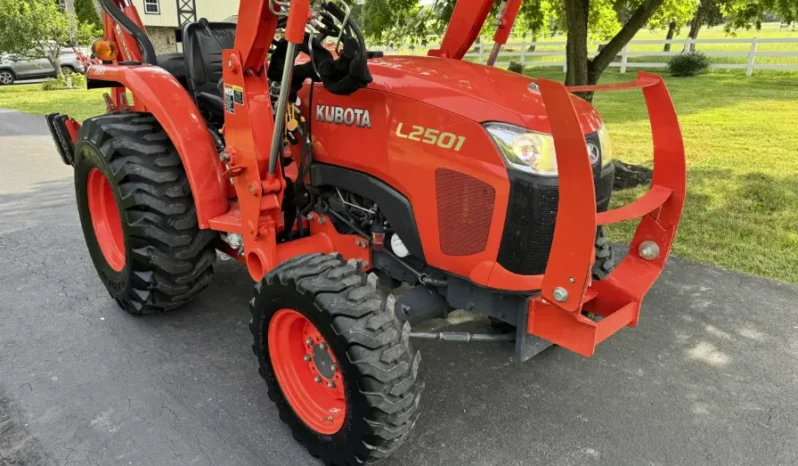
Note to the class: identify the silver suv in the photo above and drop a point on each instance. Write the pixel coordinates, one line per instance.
(13, 68)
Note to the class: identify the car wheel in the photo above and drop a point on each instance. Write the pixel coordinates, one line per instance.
(6, 78)
(67, 70)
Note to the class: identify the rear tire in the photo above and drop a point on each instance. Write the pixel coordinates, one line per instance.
(378, 367)
(160, 259)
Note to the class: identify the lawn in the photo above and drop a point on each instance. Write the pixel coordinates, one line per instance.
(742, 156)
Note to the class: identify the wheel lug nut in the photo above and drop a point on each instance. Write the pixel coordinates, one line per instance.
(323, 346)
(309, 341)
(330, 384)
(318, 379)
(307, 358)
(330, 418)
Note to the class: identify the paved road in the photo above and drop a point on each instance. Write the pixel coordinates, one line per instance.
(709, 377)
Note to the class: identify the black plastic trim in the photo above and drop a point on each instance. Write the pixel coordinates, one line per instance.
(531, 214)
(396, 208)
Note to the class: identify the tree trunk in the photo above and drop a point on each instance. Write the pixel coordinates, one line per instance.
(72, 20)
(54, 57)
(695, 26)
(533, 46)
(669, 36)
(576, 12)
(99, 9)
(582, 71)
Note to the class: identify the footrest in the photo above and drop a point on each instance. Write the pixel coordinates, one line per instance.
(57, 124)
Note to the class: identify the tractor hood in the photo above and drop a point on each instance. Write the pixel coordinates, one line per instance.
(477, 92)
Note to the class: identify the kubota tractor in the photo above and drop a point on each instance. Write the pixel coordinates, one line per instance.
(335, 174)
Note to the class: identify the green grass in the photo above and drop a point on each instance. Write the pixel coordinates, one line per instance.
(741, 139)
(78, 103)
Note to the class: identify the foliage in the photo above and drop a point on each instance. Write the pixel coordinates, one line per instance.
(86, 13)
(673, 11)
(516, 67)
(752, 13)
(71, 81)
(37, 28)
(688, 64)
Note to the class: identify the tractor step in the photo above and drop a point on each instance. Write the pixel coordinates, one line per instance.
(63, 129)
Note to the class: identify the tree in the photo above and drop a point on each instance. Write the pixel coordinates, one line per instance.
(709, 13)
(673, 15)
(748, 14)
(86, 12)
(38, 28)
(613, 20)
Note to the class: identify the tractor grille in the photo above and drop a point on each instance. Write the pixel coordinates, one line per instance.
(532, 214)
(465, 209)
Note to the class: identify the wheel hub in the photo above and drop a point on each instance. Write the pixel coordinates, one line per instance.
(323, 361)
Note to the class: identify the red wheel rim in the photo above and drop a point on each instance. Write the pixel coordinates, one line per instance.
(307, 371)
(106, 220)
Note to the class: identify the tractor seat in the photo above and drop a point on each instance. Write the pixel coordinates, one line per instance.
(204, 66)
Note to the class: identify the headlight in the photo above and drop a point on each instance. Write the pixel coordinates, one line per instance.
(534, 152)
(525, 150)
(606, 145)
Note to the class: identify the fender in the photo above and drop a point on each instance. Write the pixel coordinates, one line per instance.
(157, 92)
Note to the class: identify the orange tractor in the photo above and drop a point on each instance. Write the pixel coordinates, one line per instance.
(336, 175)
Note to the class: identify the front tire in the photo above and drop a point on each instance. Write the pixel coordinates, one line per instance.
(317, 304)
(7, 78)
(138, 215)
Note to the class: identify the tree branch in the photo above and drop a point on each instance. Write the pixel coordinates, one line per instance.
(638, 19)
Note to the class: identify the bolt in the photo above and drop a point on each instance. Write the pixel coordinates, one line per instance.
(252, 189)
(307, 358)
(334, 367)
(323, 346)
(560, 294)
(229, 63)
(317, 379)
(309, 341)
(311, 216)
(322, 221)
(571, 280)
(330, 418)
(357, 241)
(225, 157)
(649, 250)
(330, 384)
(365, 264)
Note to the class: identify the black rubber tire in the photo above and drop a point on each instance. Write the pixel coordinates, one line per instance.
(605, 262)
(10, 75)
(168, 259)
(379, 366)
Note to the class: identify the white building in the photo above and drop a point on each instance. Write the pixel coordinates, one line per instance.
(164, 19)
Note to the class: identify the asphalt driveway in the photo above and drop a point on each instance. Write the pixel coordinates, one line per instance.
(709, 377)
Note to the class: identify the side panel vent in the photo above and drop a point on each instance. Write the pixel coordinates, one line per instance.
(465, 210)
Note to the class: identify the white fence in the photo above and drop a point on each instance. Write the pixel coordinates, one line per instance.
(519, 52)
